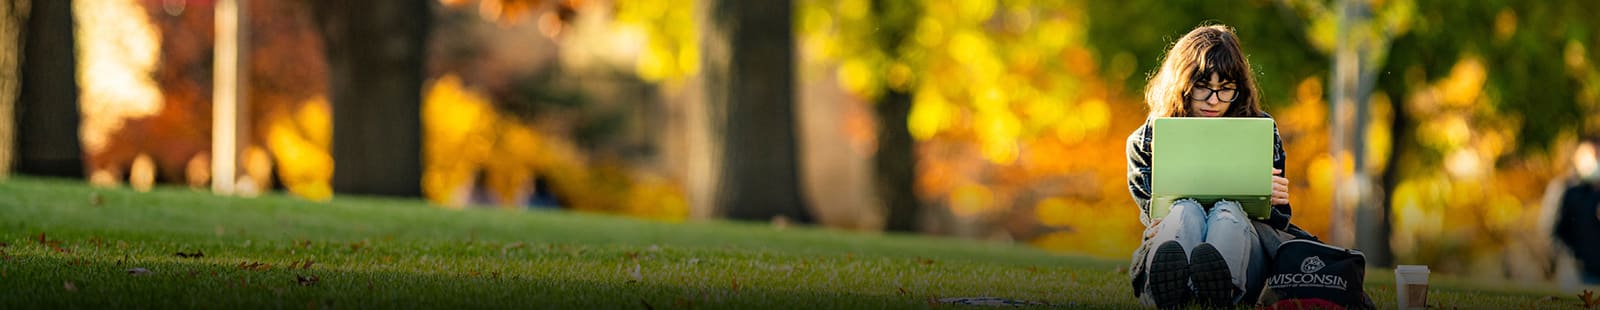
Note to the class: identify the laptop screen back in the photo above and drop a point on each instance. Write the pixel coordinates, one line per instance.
(1209, 159)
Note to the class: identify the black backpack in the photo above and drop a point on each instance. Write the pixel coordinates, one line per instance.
(1305, 274)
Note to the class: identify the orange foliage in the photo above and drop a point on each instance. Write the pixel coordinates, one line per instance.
(169, 46)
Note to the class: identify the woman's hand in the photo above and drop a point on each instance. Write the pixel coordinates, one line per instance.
(1280, 188)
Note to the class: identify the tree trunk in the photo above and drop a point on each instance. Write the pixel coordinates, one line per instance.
(13, 18)
(760, 174)
(375, 55)
(1378, 249)
(895, 163)
(47, 108)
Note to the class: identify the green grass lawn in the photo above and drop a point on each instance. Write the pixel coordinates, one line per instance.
(66, 245)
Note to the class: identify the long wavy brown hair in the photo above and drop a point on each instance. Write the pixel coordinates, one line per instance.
(1192, 59)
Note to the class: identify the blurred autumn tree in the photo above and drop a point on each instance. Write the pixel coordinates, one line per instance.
(1494, 93)
(375, 53)
(529, 104)
(874, 34)
(1003, 110)
(754, 89)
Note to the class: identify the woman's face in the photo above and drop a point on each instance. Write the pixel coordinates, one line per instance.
(1212, 96)
(1587, 162)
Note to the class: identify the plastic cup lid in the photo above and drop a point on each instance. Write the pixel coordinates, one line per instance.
(1411, 268)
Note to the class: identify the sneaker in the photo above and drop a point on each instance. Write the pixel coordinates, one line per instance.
(1169, 276)
(1213, 283)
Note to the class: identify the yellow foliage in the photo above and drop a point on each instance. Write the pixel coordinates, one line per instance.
(299, 143)
(457, 139)
(971, 200)
(1466, 215)
(930, 113)
(466, 137)
(672, 49)
(1053, 212)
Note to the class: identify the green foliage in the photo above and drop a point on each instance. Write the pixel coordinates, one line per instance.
(1538, 55)
(1273, 37)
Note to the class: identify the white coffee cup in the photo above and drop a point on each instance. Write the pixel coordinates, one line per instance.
(1411, 286)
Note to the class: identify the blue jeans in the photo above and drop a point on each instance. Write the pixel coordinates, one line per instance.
(1225, 227)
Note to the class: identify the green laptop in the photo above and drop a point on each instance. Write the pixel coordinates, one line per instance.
(1209, 159)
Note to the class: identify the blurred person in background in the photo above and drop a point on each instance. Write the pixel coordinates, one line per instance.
(1577, 221)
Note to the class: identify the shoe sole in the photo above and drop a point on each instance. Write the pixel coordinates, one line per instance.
(1169, 276)
(1213, 283)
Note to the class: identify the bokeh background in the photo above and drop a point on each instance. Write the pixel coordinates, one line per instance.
(1420, 131)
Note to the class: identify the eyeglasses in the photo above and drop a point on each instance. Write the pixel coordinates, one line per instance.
(1202, 93)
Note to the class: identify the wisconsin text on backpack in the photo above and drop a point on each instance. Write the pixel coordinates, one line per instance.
(1307, 280)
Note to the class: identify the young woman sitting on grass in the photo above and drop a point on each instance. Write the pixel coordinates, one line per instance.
(1205, 253)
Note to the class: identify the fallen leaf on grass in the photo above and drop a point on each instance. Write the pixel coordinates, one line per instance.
(682, 303)
(512, 246)
(257, 266)
(925, 261)
(3, 244)
(736, 285)
(358, 245)
(903, 291)
(637, 276)
(138, 271)
(196, 254)
(306, 280)
(69, 287)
